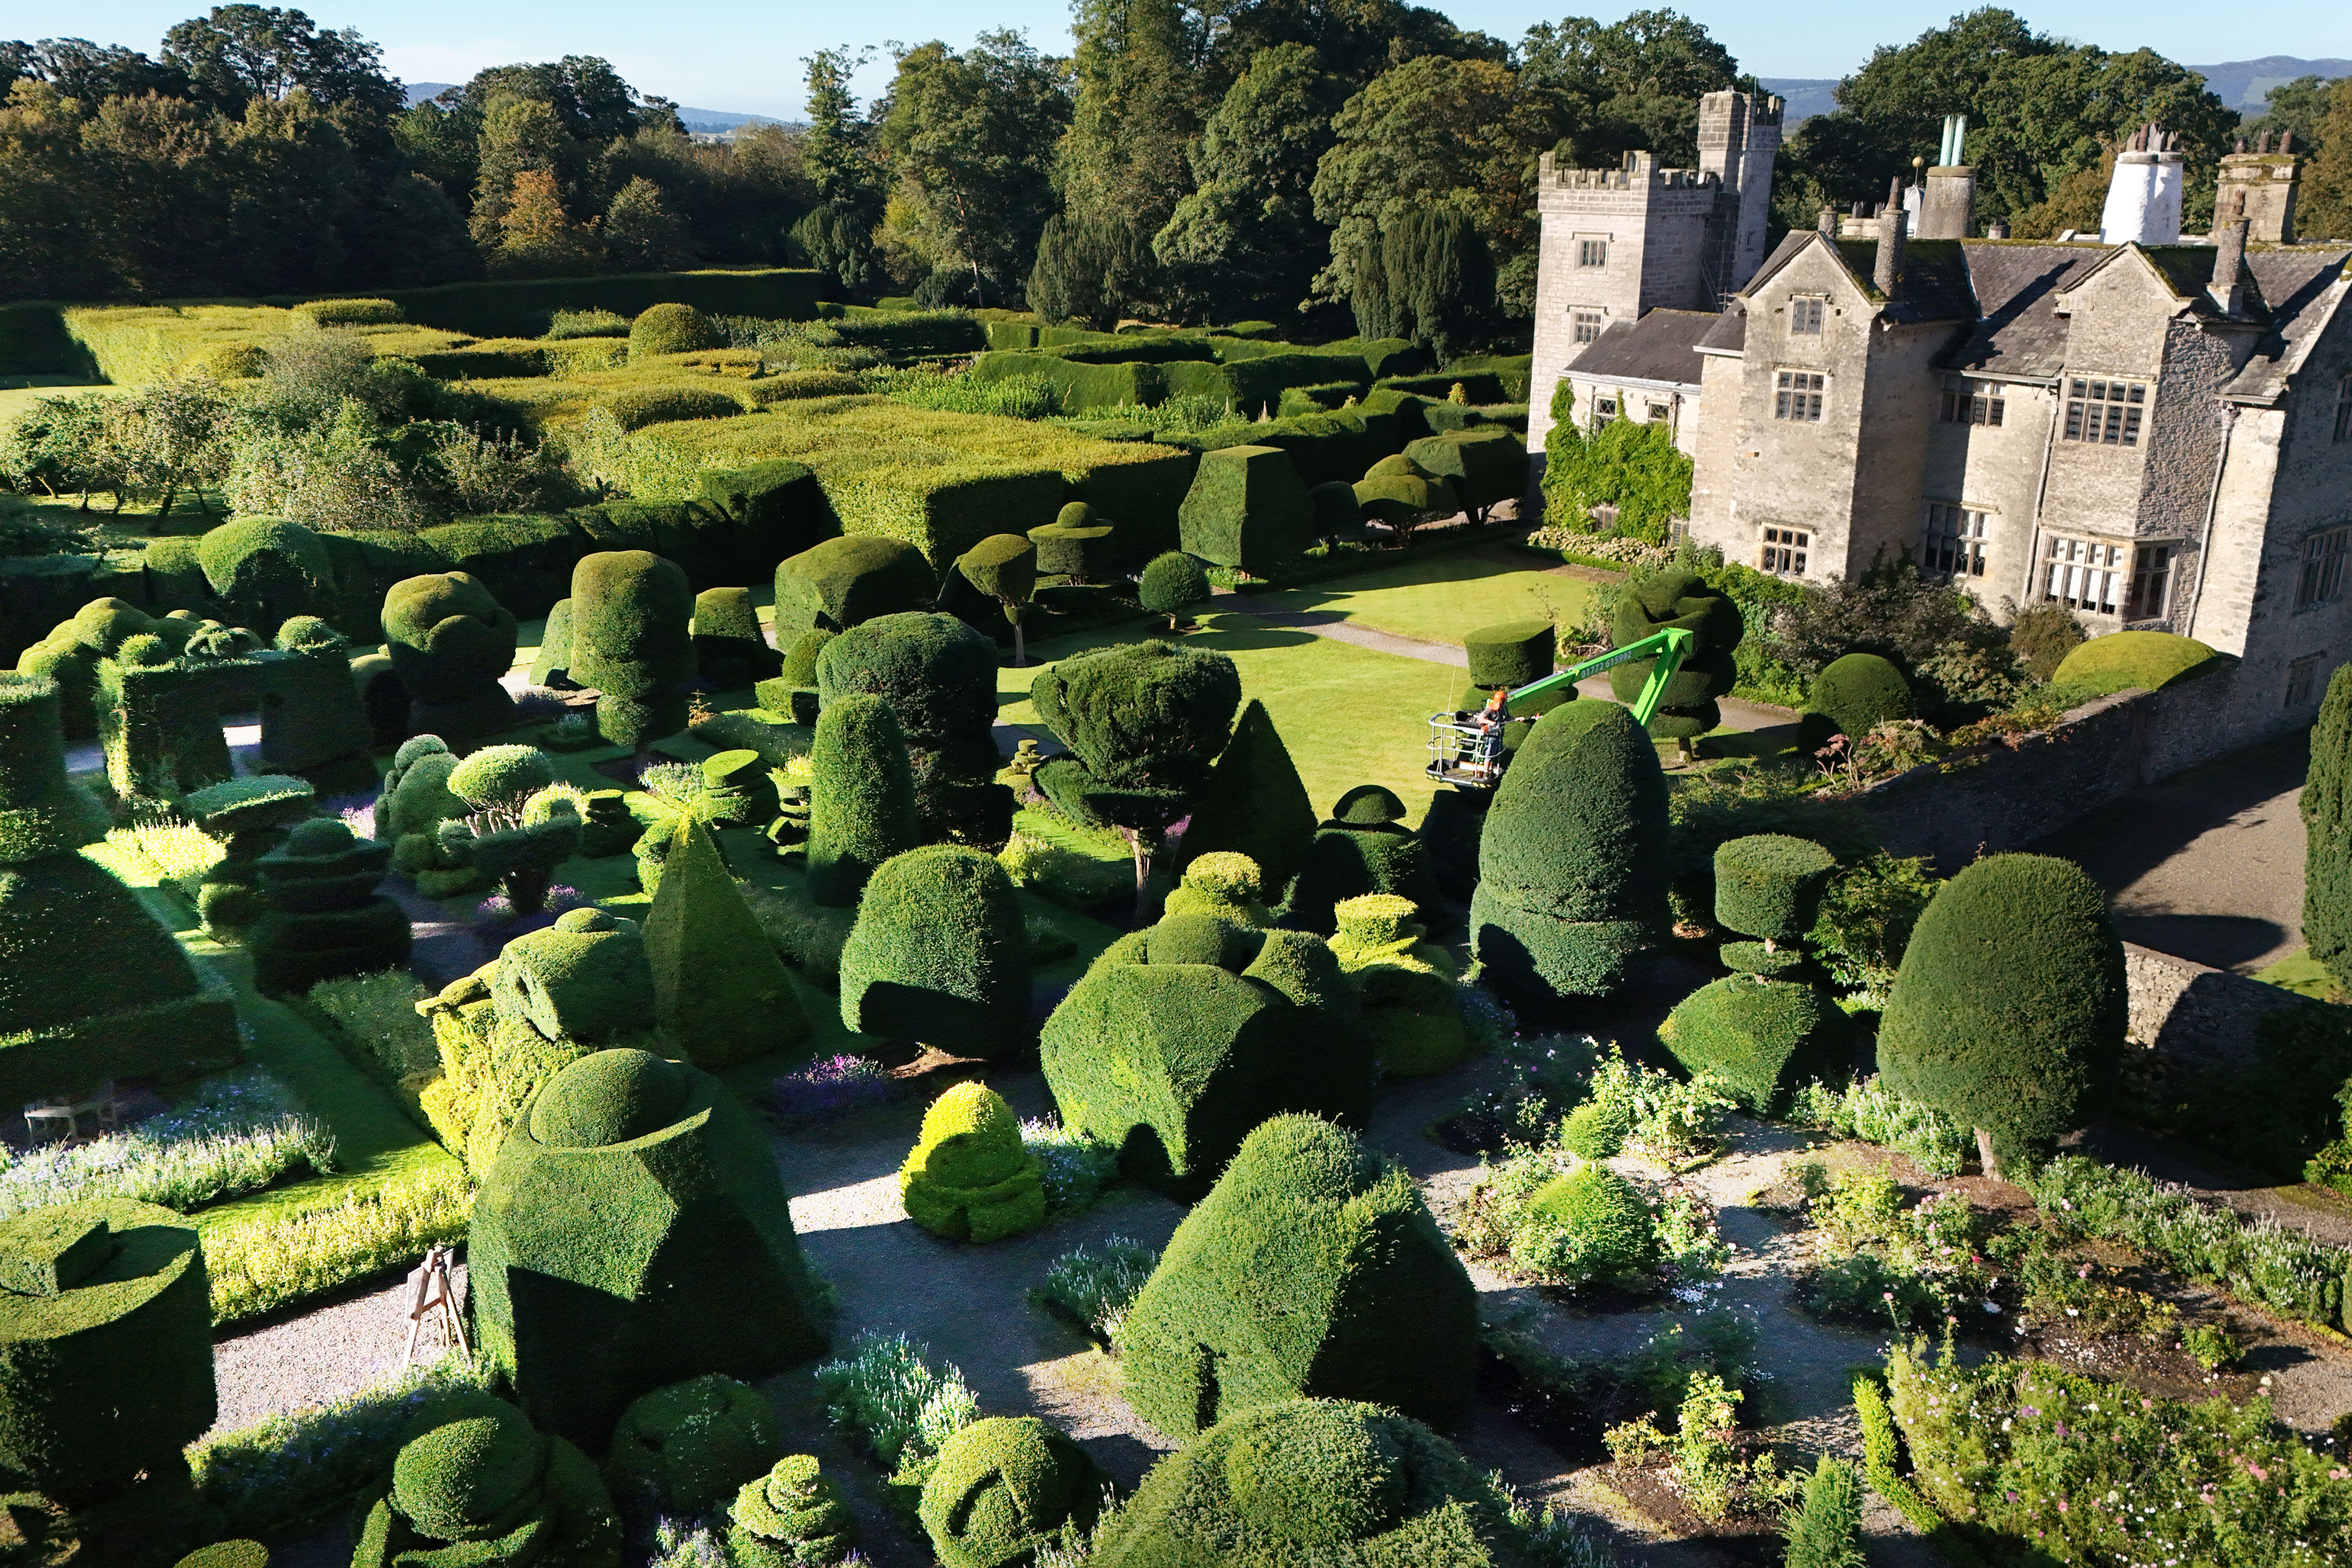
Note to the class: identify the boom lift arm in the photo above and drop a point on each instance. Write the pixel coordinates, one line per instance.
(1467, 750)
(1668, 647)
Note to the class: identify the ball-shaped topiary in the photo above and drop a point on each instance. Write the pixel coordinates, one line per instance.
(449, 641)
(480, 1487)
(1171, 585)
(790, 1518)
(632, 612)
(683, 1450)
(1761, 1039)
(939, 954)
(1379, 1308)
(861, 797)
(1769, 885)
(1312, 1481)
(968, 1178)
(1367, 805)
(1653, 602)
(610, 1097)
(1509, 653)
(2148, 660)
(1596, 1129)
(1853, 697)
(2007, 1012)
(836, 585)
(1222, 885)
(1601, 1226)
(1004, 1488)
(670, 329)
(1569, 886)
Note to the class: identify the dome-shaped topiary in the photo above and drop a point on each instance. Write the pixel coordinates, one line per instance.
(969, 1178)
(1378, 1308)
(610, 1097)
(471, 1480)
(790, 1519)
(1171, 585)
(1206, 938)
(670, 329)
(227, 1554)
(1853, 697)
(1312, 1481)
(1142, 718)
(1601, 1227)
(2149, 661)
(801, 660)
(940, 954)
(1654, 601)
(1369, 806)
(1770, 885)
(266, 569)
(2009, 1011)
(1761, 1039)
(1004, 1488)
(478, 1486)
(683, 1450)
(1335, 513)
(450, 640)
(1509, 653)
(1596, 1129)
(632, 643)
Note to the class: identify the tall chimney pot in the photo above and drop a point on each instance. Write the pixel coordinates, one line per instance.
(1888, 275)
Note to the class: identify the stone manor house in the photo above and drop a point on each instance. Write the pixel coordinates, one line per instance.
(2152, 429)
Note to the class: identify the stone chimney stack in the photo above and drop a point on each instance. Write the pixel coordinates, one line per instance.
(1888, 275)
(2229, 285)
(2144, 196)
(2260, 186)
(1948, 205)
(1828, 222)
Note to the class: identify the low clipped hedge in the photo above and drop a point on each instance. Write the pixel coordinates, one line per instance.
(1478, 386)
(1084, 388)
(519, 308)
(640, 407)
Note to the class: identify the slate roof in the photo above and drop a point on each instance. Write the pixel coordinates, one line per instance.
(1661, 346)
(2304, 289)
(2018, 332)
(1729, 333)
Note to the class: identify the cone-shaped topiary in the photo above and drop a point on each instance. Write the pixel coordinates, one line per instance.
(1182, 1038)
(730, 649)
(631, 1233)
(671, 329)
(1004, 1488)
(790, 1519)
(106, 1366)
(1222, 886)
(721, 994)
(938, 676)
(842, 582)
(969, 1178)
(2007, 1012)
(681, 1451)
(1311, 1268)
(486, 1488)
(1569, 883)
(1853, 697)
(1761, 1039)
(861, 799)
(325, 915)
(1247, 508)
(1171, 585)
(1655, 601)
(939, 954)
(450, 640)
(1769, 885)
(1406, 986)
(1312, 1481)
(1253, 803)
(2326, 807)
(551, 665)
(1511, 653)
(630, 612)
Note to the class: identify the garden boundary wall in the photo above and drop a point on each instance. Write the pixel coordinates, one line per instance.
(2191, 1018)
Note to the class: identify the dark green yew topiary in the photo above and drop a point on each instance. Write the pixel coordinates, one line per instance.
(1004, 567)
(631, 643)
(938, 676)
(2009, 1011)
(1253, 803)
(521, 824)
(2326, 807)
(266, 569)
(1247, 508)
(551, 665)
(790, 1519)
(250, 814)
(325, 917)
(1654, 602)
(1761, 1039)
(1483, 464)
(227, 1554)
(1311, 1268)
(969, 1178)
(1076, 544)
(1853, 697)
(1143, 716)
(683, 1450)
(450, 641)
(834, 585)
(1172, 584)
(1004, 1488)
(1365, 848)
(861, 797)
(939, 954)
(1222, 885)
(721, 994)
(1770, 885)
(485, 1489)
(730, 649)
(1509, 653)
(1570, 885)
(106, 1363)
(1312, 1481)
(631, 1232)
(670, 329)
(1335, 510)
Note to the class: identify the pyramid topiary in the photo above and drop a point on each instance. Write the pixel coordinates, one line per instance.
(1182, 1038)
(1570, 883)
(631, 1233)
(790, 1519)
(939, 954)
(106, 1363)
(1003, 1489)
(485, 1489)
(449, 641)
(940, 677)
(1253, 803)
(861, 799)
(683, 1450)
(2009, 1011)
(1406, 986)
(1312, 1481)
(1511, 653)
(721, 994)
(1171, 585)
(729, 648)
(325, 917)
(842, 582)
(1247, 508)
(631, 643)
(969, 1178)
(1222, 886)
(1311, 1268)
(1853, 697)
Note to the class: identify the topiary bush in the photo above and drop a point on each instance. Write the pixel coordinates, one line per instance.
(1222, 886)
(1509, 653)
(1332, 505)
(861, 799)
(250, 817)
(1761, 1041)
(1405, 985)
(1378, 1308)
(325, 917)
(1003, 1490)
(1483, 464)
(938, 676)
(1364, 847)
(266, 570)
(2009, 1011)
(939, 954)
(1592, 1225)
(2327, 809)
(834, 585)
(486, 1488)
(790, 1518)
(2148, 660)
(631, 1233)
(729, 648)
(1004, 567)
(1570, 881)
(1077, 545)
(1171, 585)
(1770, 885)
(1853, 697)
(1247, 508)
(721, 994)
(227, 1554)
(519, 825)
(968, 1178)
(449, 641)
(551, 666)
(1654, 602)
(1310, 1481)
(671, 330)
(631, 643)
(1255, 804)
(681, 1451)
(639, 406)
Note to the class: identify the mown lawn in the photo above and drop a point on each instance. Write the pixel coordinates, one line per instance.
(1441, 598)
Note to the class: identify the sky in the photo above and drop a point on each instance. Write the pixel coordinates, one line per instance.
(744, 55)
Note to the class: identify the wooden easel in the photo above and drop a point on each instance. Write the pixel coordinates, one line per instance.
(432, 1296)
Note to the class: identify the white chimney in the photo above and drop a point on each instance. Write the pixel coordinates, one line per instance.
(2144, 198)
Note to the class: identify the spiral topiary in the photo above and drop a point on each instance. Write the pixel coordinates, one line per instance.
(1005, 1487)
(1654, 602)
(683, 1450)
(325, 917)
(969, 1178)
(790, 1519)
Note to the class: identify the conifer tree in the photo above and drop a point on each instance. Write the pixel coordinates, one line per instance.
(2327, 831)
(1255, 804)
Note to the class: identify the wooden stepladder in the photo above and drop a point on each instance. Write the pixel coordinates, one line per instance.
(433, 1298)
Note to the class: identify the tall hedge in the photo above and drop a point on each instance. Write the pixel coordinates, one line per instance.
(721, 994)
(1654, 602)
(2326, 808)
(939, 954)
(938, 676)
(1484, 465)
(1255, 804)
(2009, 1011)
(632, 643)
(450, 640)
(1571, 861)
(861, 797)
(1312, 1269)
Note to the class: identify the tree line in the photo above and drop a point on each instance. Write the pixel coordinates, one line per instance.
(1185, 161)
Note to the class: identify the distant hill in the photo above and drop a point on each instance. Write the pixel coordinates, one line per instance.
(705, 119)
(1806, 97)
(2246, 85)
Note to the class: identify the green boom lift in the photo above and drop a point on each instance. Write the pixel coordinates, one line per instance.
(1466, 748)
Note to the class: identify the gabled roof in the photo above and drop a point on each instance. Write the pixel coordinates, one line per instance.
(1729, 333)
(1934, 285)
(2019, 332)
(2186, 270)
(1661, 346)
(2306, 290)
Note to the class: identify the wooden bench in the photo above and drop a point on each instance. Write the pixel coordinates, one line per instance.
(100, 1102)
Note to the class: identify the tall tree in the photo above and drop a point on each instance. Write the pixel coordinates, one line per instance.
(2327, 807)
(2296, 108)
(91, 72)
(1140, 101)
(1628, 85)
(242, 52)
(2326, 203)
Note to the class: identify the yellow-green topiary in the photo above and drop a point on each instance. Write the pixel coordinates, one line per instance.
(969, 1179)
(1224, 886)
(1405, 985)
(2149, 661)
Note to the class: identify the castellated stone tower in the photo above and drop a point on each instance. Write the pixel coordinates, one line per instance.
(1738, 137)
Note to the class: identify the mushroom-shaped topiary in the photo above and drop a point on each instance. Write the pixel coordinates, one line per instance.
(486, 1488)
(1312, 1480)
(266, 569)
(1405, 985)
(1853, 697)
(1005, 1489)
(1376, 1307)
(632, 645)
(861, 797)
(631, 1233)
(325, 917)
(969, 1179)
(449, 641)
(683, 1450)
(1255, 804)
(521, 824)
(721, 994)
(939, 954)
(790, 1519)
(1004, 567)
(1171, 585)
(1075, 546)
(1401, 495)
(1654, 602)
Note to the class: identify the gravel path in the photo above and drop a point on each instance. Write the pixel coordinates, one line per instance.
(321, 1355)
